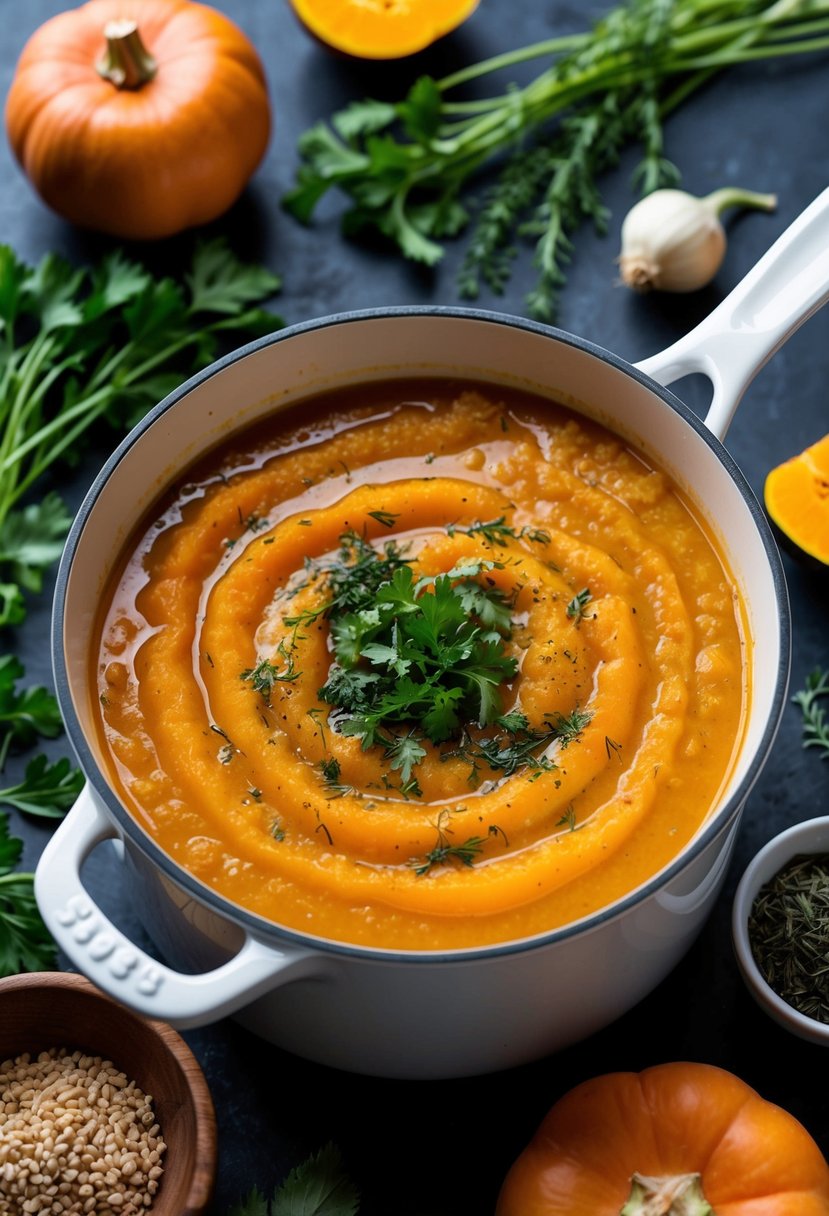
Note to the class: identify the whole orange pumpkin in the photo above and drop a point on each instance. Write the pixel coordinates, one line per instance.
(139, 118)
(674, 1140)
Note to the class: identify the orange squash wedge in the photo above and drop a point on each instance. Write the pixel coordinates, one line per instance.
(797, 500)
(381, 29)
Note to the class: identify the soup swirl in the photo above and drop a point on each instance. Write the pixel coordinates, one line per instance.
(422, 666)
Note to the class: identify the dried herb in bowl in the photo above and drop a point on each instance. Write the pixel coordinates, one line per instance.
(788, 930)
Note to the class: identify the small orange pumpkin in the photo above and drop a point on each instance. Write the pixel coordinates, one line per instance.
(381, 29)
(139, 118)
(674, 1140)
(796, 494)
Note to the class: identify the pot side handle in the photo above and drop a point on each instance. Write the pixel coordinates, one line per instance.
(121, 968)
(787, 285)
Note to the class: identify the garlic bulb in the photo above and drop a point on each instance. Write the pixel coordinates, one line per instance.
(672, 241)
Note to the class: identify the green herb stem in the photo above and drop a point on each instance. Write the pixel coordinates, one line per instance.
(406, 167)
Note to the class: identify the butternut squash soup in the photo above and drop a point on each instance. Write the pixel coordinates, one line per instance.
(422, 665)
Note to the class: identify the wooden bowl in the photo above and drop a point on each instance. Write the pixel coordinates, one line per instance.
(54, 1009)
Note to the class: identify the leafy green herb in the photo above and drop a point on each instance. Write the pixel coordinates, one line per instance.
(25, 944)
(437, 658)
(386, 518)
(498, 532)
(330, 770)
(265, 675)
(815, 729)
(79, 347)
(569, 727)
(404, 167)
(568, 819)
(319, 1186)
(47, 790)
(444, 851)
(254, 1204)
(26, 714)
(577, 605)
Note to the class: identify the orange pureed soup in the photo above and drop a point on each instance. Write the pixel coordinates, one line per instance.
(422, 665)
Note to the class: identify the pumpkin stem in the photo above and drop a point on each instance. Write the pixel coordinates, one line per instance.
(126, 63)
(674, 1195)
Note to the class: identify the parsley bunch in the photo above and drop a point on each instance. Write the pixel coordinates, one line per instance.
(77, 348)
(404, 167)
(431, 652)
(425, 660)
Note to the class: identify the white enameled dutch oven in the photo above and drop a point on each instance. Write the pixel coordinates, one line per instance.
(426, 1014)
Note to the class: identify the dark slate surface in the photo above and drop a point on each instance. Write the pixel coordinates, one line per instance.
(431, 1149)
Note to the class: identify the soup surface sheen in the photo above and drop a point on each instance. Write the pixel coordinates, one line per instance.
(586, 582)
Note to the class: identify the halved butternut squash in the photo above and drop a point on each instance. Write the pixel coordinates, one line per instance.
(381, 29)
(797, 501)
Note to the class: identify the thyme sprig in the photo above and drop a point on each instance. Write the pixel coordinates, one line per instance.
(815, 727)
(405, 167)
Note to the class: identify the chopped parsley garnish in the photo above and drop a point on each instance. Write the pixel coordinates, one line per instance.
(431, 652)
(424, 661)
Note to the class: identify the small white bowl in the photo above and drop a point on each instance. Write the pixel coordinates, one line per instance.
(809, 837)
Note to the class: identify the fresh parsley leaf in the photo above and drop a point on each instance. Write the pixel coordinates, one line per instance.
(25, 944)
(220, 283)
(317, 1187)
(254, 1204)
(363, 117)
(403, 753)
(27, 714)
(12, 605)
(32, 539)
(99, 346)
(47, 790)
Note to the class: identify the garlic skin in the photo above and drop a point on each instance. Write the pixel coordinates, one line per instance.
(673, 241)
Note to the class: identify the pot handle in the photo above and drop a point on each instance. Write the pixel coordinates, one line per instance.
(121, 968)
(787, 285)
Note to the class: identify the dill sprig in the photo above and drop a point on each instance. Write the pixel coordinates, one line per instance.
(465, 852)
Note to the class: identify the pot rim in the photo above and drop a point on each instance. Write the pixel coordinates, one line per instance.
(260, 926)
